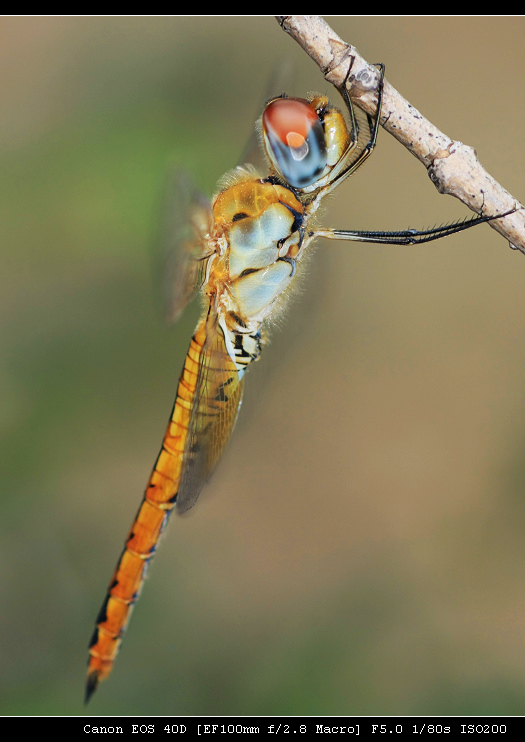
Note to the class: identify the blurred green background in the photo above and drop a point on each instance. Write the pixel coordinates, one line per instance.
(361, 548)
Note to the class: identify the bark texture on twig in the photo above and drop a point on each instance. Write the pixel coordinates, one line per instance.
(452, 166)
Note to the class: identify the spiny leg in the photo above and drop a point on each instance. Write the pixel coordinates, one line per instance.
(405, 237)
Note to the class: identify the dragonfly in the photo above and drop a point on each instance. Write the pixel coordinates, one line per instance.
(242, 252)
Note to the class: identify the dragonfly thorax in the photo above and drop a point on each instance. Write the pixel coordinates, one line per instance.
(262, 223)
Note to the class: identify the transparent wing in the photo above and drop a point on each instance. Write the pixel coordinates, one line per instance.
(215, 406)
(182, 243)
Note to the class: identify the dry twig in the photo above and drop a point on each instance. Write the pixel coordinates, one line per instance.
(452, 166)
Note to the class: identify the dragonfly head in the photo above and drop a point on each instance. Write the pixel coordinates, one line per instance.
(298, 137)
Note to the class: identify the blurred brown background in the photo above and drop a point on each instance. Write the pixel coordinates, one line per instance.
(361, 548)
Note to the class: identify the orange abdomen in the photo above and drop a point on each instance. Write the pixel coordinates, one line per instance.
(158, 502)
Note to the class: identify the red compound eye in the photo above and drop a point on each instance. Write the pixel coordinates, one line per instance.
(294, 139)
(290, 115)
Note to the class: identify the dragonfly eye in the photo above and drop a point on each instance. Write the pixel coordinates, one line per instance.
(294, 139)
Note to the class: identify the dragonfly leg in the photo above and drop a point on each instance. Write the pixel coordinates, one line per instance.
(349, 163)
(407, 236)
(373, 123)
